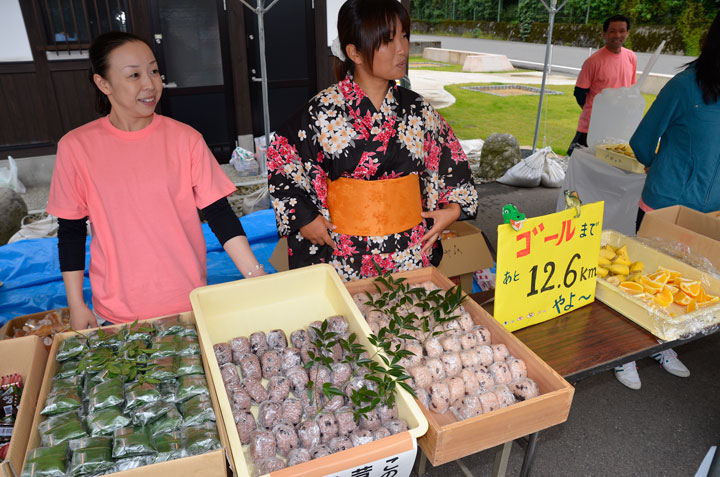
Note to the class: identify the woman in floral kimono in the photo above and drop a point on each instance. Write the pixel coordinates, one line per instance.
(368, 175)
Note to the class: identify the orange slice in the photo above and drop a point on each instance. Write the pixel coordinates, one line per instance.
(673, 289)
(632, 288)
(673, 274)
(661, 276)
(664, 297)
(681, 298)
(692, 306)
(692, 288)
(651, 286)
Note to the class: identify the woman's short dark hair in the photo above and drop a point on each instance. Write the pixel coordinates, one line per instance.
(99, 51)
(367, 24)
(707, 66)
(616, 18)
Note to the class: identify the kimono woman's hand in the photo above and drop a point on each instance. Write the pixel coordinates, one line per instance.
(317, 231)
(442, 219)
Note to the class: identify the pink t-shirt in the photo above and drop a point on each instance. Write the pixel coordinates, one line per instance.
(604, 69)
(141, 191)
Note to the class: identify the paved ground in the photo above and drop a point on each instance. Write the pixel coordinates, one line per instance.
(562, 55)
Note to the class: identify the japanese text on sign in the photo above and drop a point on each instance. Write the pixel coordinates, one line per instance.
(398, 465)
(551, 264)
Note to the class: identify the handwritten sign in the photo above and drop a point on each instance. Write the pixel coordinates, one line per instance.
(548, 268)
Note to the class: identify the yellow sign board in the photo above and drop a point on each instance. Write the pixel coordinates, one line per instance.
(548, 267)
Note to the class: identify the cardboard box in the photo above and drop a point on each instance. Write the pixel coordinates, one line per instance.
(13, 328)
(448, 439)
(660, 324)
(28, 357)
(621, 161)
(209, 464)
(463, 254)
(290, 301)
(700, 232)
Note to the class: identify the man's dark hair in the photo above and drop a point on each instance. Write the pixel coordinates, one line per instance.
(616, 18)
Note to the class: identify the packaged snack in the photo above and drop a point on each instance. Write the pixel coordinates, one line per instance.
(168, 390)
(87, 442)
(169, 325)
(67, 369)
(169, 446)
(45, 466)
(90, 461)
(71, 382)
(61, 401)
(144, 332)
(106, 421)
(10, 394)
(201, 439)
(197, 410)
(132, 463)
(164, 346)
(132, 441)
(138, 394)
(188, 329)
(163, 369)
(169, 422)
(39, 452)
(190, 386)
(70, 348)
(107, 394)
(58, 429)
(185, 365)
(149, 413)
(188, 346)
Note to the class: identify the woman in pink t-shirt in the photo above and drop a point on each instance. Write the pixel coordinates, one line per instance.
(140, 179)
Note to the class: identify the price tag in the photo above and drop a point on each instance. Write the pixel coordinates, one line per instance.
(548, 268)
(398, 465)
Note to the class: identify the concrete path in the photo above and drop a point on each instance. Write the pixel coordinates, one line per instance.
(431, 84)
(562, 55)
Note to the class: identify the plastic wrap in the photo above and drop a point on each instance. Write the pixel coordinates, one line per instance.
(132, 441)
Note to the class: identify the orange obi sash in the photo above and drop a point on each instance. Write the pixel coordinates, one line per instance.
(372, 208)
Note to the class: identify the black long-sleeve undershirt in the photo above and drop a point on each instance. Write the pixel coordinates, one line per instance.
(72, 233)
(581, 95)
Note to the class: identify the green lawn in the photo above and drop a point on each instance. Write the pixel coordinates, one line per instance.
(477, 115)
(420, 59)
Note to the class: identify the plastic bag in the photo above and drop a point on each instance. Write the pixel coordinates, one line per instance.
(163, 369)
(106, 421)
(197, 410)
(88, 442)
(67, 369)
(132, 463)
(526, 173)
(170, 446)
(188, 346)
(61, 428)
(187, 365)
(107, 394)
(64, 384)
(164, 346)
(191, 386)
(258, 200)
(90, 461)
(149, 413)
(137, 394)
(52, 465)
(171, 421)
(168, 390)
(553, 174)
(41, 228)
(244, 162)
(70, 348)
(132, 441)
(169, 325)
(39, 452)
(9, 177)
(199, 440)
(61, 401)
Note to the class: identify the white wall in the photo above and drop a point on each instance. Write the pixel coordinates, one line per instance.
(14, 43)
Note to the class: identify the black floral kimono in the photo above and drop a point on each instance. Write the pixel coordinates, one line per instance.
(341, 134)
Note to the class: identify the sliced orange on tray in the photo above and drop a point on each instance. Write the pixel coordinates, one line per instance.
(681, 298)
(664, 297)
(632, 288)
(650, 285)
(691, 287)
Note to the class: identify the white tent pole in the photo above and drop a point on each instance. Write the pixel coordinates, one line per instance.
(260, 11)
(552, 10)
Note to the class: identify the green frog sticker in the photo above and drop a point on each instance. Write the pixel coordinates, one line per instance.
(572, 200)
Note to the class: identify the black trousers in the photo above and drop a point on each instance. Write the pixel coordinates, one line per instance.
(580, 139)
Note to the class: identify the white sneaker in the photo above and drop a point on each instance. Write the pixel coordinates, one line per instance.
(671, 363)
(628, 375)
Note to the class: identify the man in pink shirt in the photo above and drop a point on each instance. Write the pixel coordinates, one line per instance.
(610, 67)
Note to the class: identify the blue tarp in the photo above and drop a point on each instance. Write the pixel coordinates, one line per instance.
(32, 281)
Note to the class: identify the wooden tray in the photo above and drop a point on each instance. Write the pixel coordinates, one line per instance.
(621, 161)
(447, 438)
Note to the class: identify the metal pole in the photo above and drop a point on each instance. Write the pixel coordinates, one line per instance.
(552, 10)
(587, 14)
(499, 9)
(263, 74)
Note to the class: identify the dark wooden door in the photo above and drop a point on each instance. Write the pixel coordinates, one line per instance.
(190, 43)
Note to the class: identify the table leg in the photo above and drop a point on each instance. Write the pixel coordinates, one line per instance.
(421, 462)
(529, 454)
(502, 456)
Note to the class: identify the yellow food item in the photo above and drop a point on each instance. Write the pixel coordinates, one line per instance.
(692, 306)
(622, 251)
(632, 288)
(602, 261)
(602, 272)
(661, 276)
(651, 286)
(681, 298)
(615, 280)
(607, 254)
(619, 269)
(634, 277)
(673, 289)
(624, 149)
(664, 297)
(692, 288)
(637, 266)
(673, 274)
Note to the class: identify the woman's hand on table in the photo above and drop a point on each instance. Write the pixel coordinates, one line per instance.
(317, 231)
(442, 219)
(82, 318)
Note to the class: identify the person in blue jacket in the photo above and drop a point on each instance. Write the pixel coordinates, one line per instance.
(684, 169)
